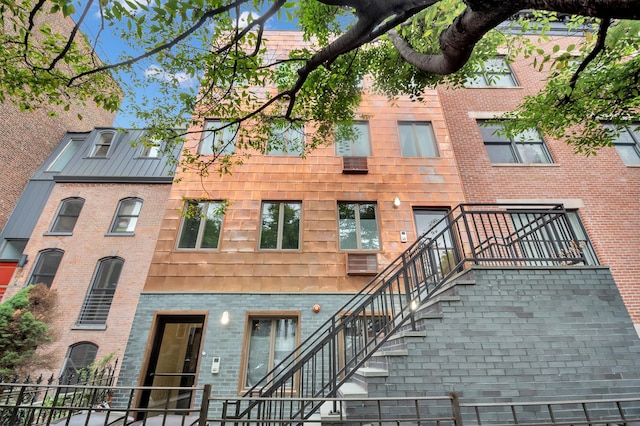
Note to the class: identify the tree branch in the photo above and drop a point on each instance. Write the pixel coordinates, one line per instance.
(456, 42)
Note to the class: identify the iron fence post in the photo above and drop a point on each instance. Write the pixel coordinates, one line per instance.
(407, 289)
(204, 406)
(455, 408)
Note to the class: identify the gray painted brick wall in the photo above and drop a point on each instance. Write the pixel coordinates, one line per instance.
(523, 334)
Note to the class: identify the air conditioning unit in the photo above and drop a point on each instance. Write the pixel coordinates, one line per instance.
(354, 165)
(362, 264)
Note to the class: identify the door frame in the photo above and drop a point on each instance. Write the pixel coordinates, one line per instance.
(153, 330)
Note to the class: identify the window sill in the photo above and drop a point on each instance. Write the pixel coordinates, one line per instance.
(119, 234)
(494, 87)
(525, 165)
(633, 166)
(89, 327)
(59, 234)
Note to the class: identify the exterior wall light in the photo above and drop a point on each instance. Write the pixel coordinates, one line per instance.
(224, 320)
(396, 202)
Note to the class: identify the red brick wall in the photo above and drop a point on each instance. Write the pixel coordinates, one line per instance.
(85, 247)
(608, 190)
(27, 138)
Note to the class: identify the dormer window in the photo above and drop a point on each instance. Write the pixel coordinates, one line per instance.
(102, 145)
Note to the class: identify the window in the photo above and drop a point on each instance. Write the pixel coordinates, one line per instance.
(218, 142)
(280, 225)
(67, 215)
(79, 357)
(417, 140)
(286, 141)
(126, 216)
(12, 249)
(358, 227)
(201, 225)
(151, 149)
(268, 341)
(65, 156)
(101, 147)
(494, 72)
(353, 141)
(525, 147)
(97, 303)
(627, 143)
(46, 267)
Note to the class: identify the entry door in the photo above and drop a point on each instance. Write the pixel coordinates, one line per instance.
(173, 362)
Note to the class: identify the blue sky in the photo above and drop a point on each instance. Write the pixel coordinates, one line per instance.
(111, 47)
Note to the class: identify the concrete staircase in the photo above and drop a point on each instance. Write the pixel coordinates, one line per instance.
(509, 334)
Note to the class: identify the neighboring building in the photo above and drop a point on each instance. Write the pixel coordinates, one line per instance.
(230, 295)
(91, 215)
(603, 190)
(26, 140)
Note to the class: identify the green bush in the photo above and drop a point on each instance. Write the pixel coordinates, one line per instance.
(25, 327)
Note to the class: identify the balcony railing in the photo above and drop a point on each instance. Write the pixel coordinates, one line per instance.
(471, 234)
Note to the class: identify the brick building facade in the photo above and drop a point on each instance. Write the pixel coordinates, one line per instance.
(603, 190)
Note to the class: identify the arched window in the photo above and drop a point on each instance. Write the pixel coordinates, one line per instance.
(46, 267)
(95, 308)
(67, 215)
(103, 144)
(126, 216)
(79, 356)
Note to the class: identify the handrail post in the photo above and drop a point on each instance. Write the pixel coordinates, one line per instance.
(407, 289)
(474, 255)
(455, 409)
(204, 406)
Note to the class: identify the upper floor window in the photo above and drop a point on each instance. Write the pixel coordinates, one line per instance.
(268, 341)
(67, 215)
(494, 72)
(65, 156)
(46, 267)
(627, 142)
(201, 225)
(358, 226)
(97, 303)
(151, 149)
(126, 216)
(280, 225)
(417, 140)
(525, 147)
(286, 141)
(353, 141)
(103, 144)
(218, 142)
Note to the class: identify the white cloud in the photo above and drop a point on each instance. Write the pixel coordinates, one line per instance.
(156, 73)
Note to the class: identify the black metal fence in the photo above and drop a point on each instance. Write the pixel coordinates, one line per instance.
(447, 410)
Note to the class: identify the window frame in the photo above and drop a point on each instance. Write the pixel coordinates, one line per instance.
(286, 134)
(60, 214)
(352, 147)
(280, 225)
(36, 271)
(119, 215)
(210, 133)
(102, 142)
(358, 227)
(201, 226)
(274, 316)
(513, 144)
(66, 376)
(634, 144)
(150, 150)
(415, 145)
(487, 81)
(96, 300)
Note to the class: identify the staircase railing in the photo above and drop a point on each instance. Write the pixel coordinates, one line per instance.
(471, 234)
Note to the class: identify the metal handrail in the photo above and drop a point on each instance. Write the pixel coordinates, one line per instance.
(471, 234)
